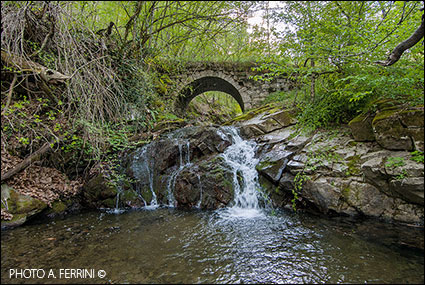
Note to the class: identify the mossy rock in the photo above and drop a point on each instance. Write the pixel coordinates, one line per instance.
(20, 206)
(109, 203)
(58, 207)
(354, 165)
(361, 127)
(413, 117)
(251, 114)
(389, 113)
(130, 198)
(96, 190)
(169, 125)
(17, 220)
(283, 117)
(146, 193)
(389, 131)
(381, 104)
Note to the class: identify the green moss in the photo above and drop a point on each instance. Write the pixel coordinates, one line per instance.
(264, 164)
(354, 165)
(169, 124)
(58, 206)
(227, 183)
(21, 204)
(109, 203)
(273, 110)
(128, 195)
(413, 117)
(360, 118)
(384, 114)
(381, 104)
(346, 192)
(146, 194)
(252, 113)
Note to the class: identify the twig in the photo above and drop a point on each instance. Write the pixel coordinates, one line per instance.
(9, 95)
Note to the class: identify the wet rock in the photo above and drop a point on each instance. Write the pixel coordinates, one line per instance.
(272, 163)
(250, 131)
(325, 193)
(208, 184)
(154, 167)
(286, 182)
(411, 189)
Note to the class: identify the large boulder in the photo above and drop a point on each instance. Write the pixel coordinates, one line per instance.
(153, 167)
(99, 193)
(19, 207)
(207, 185)
(400, 128)
(361, 127)
(351, 178)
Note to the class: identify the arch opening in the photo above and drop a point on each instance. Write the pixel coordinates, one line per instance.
(205, 84)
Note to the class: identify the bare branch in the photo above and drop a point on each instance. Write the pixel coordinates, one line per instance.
(9, 95)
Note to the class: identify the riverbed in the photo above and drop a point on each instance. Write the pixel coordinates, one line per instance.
(167, 245)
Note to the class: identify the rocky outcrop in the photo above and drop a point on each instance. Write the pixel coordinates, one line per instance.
(166, 171)
(334, 173)
(393, 127)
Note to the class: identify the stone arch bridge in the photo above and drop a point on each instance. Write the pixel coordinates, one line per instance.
(231, 78)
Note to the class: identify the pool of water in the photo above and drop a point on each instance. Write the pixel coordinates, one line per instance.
(167, 245)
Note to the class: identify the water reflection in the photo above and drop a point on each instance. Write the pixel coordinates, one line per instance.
(173, 246)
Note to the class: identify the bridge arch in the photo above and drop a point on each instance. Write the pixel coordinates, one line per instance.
(204, 82)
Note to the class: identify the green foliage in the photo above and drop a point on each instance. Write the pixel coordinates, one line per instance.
(395, 162)
(417, 156)
(315, 159)
(330, 49)
(299, 180)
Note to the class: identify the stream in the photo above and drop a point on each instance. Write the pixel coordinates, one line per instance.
(167, 245)
(241, 243)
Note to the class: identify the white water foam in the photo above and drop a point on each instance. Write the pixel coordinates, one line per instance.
(240, 157)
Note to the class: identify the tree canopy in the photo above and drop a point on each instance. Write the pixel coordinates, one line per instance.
(91, 72)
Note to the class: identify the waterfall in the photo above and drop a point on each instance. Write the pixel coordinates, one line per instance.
(142, 168)
(184, 161)
(240, 157)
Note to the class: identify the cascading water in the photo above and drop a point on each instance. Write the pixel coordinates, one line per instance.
(184, 161)
(240, 157)
(142, 168)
